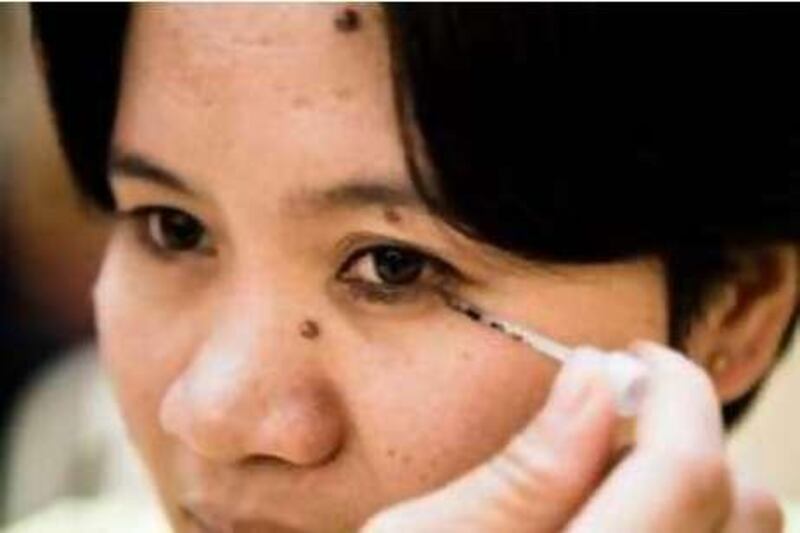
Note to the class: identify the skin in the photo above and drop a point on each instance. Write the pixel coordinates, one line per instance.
(244, 418)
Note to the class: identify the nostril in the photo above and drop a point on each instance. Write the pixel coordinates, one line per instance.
(257, 461)
(262, 460)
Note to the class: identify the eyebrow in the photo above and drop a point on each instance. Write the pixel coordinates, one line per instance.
(357, 193)
(133, 165)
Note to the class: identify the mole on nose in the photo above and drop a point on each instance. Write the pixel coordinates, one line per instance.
(309, 329)
(347, 20)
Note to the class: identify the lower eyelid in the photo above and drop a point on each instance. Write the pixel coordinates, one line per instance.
(372, 293)
(389, 294)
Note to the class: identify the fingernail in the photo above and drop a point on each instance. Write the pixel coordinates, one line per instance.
(574, 382)
(627, 377)
(623, 374)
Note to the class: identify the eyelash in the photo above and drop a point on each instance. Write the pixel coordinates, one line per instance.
(383, 292)
(437, 270)
(143, 219)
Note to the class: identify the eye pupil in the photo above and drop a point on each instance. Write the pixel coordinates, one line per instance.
(177, 230)
(398, 267)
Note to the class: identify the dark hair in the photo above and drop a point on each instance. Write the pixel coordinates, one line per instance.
(568, 133)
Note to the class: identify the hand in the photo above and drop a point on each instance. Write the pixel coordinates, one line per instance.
(564, 472)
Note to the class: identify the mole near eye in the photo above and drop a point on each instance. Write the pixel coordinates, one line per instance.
(347, 20)
(390, 215)
(309, 329)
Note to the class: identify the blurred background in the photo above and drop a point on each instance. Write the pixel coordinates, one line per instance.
(60, 436)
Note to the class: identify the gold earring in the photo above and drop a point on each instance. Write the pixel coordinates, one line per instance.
(720, 364)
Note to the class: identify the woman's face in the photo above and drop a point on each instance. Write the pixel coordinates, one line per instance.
(267, 310)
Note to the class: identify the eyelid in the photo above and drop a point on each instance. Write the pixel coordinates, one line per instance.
(362, 240)
(146, 209)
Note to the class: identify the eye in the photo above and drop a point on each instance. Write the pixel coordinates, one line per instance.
(389, 265)
(171, 231)
(387, 273)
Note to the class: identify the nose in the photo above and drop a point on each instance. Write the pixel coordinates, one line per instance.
(253, 398)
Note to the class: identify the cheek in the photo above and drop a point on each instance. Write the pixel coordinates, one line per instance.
(442, 401)
(144, 335)
(435, 398)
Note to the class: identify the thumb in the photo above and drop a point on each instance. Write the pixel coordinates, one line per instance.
(543, 475)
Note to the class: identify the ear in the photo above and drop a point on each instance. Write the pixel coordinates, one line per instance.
(738, 335)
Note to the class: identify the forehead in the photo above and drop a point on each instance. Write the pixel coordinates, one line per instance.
(251, 92)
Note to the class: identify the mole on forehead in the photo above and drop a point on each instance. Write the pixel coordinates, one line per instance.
(347, 20)
(391, 215)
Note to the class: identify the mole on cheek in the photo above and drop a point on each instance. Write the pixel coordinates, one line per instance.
(347, 20)
(309, 329)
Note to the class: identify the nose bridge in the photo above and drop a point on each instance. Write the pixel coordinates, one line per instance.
(251, 389)
(246, 342)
